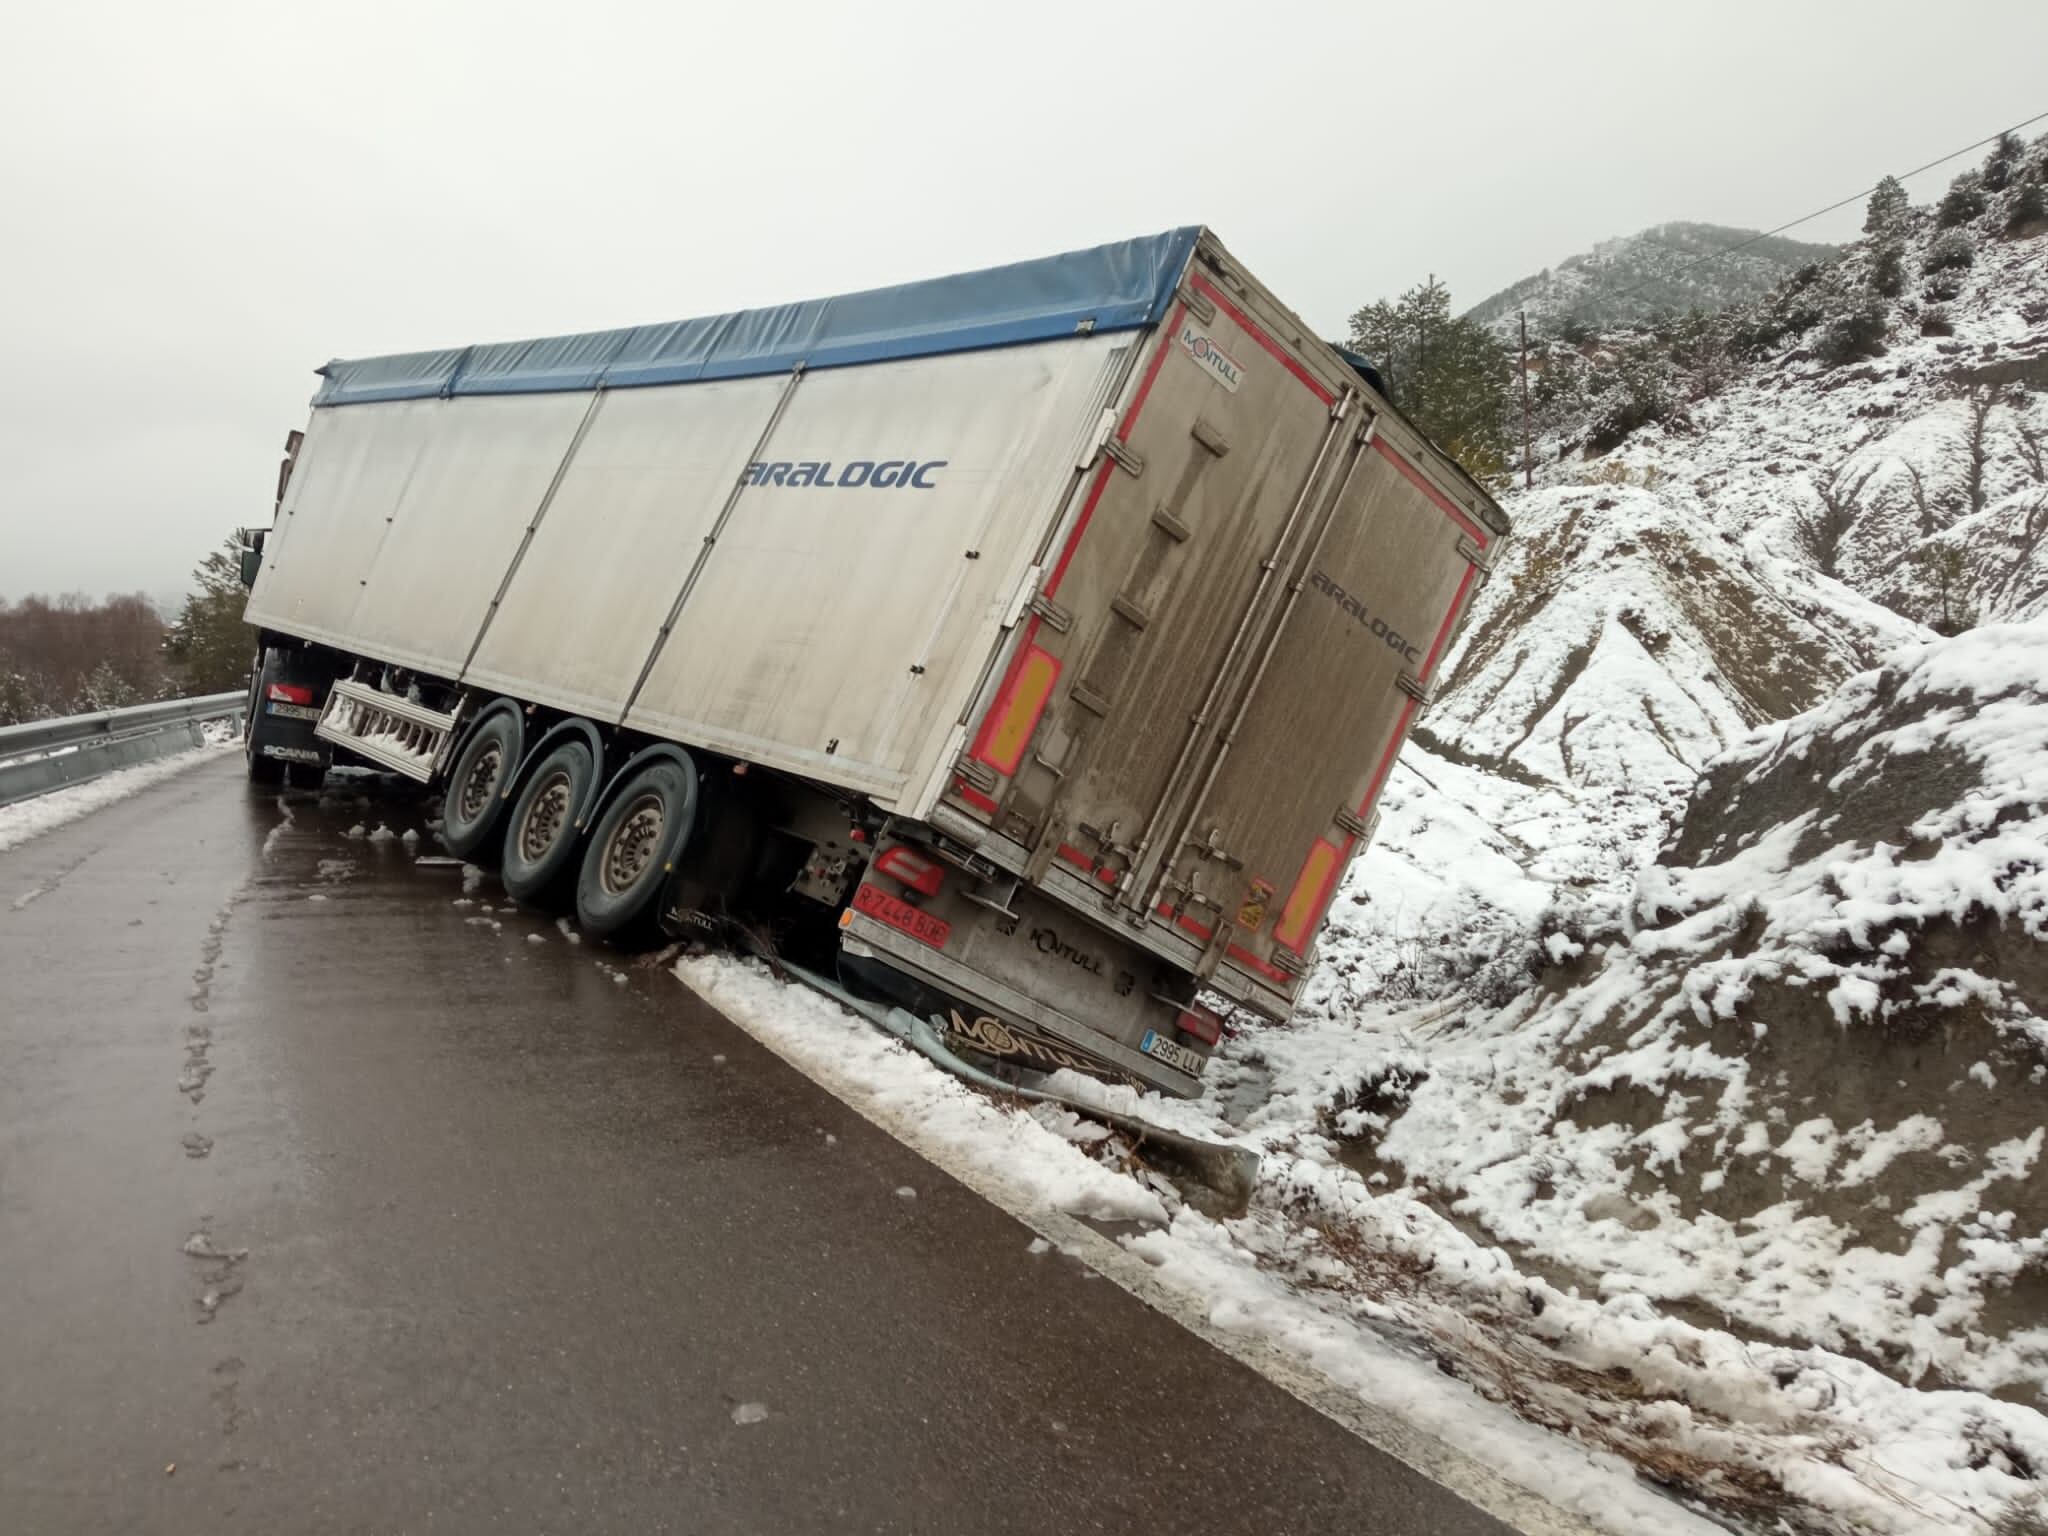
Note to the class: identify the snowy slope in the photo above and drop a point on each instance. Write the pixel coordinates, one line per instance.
(1657, 602)
(1655, 271)
(1800, 1083)
(1623, 642)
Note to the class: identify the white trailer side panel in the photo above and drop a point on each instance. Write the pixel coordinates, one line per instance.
(626, 522)
(838, 630)
(402, 517)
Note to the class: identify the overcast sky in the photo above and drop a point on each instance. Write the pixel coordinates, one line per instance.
(200, 203)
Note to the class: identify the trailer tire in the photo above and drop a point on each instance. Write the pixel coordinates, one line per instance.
(634, 846)
(475, 800)
(541, 834)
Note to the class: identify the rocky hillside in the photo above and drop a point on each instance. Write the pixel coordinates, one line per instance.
(1768, 526)
(1694, 993)
(1658, 271)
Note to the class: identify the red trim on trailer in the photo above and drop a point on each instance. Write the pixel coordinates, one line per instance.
(1244, 323)
(987, 729)
(973, 796)
(1123, 433)
(1442, 501)
(1372, 790)
(1076, 857)
(1443, 631)
(1059, 569)
(1245, 957)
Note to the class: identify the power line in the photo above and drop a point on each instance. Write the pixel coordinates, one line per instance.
(1831, 207)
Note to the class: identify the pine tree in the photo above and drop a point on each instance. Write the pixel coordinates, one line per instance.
(1964, 200)
(209, 641)
(1447, 374)
(1888, 212)
(1701, 347)
(1888, 271)
(2003, 161)
(105, 688)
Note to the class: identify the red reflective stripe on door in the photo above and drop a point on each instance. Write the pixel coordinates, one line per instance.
(1443, 630)
(1443, 502)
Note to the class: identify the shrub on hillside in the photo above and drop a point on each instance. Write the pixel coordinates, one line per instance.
(1639, 386)
(1888, 272)
(1948, 252)
(1855, 333)
(1964, 201)
(1799, 304)
(2029, 211)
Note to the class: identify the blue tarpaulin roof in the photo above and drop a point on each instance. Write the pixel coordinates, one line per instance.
(1111, 287)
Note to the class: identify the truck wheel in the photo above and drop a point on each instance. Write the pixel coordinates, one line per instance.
(540, 831)
(634, 846)
(470, 811)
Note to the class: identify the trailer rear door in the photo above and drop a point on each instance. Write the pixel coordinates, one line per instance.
(1201, 496)
(1286, 795)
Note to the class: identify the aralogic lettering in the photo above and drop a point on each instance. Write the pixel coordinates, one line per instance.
(886, 474)
(1376, 626)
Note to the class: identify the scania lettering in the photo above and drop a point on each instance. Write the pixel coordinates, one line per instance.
(1041, 711)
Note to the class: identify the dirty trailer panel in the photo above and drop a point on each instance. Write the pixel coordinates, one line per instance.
(1101, 574)
(1248, 611)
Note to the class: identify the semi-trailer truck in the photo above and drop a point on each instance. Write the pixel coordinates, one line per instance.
(1037, 640)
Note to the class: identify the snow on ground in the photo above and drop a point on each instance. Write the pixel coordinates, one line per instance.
(1621, 645)
(31, 818)
(1047, 1159)
(1671, 1160)
(1385, 1294)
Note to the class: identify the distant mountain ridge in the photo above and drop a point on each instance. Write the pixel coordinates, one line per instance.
(1656, 271)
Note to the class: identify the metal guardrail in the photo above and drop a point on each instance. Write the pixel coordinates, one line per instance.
(48, 754)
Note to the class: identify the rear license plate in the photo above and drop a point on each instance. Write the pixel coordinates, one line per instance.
(883, 907)
(292, 711)
(1173, 1053)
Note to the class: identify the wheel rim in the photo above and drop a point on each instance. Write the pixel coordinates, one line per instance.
(481, 783)
(634, 843)
(546, 814)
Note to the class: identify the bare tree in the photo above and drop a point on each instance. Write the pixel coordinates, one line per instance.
(2032, 443)
(1979, 401)
(1921, 503)
(1826, 530)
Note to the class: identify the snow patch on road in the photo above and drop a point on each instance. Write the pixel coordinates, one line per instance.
(31, 818)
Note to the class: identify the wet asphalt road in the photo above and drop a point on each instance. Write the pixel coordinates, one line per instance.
(366, 1213)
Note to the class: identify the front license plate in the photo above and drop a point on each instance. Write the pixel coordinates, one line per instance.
(1173, 1053)
(292, 711)
(883, 907)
